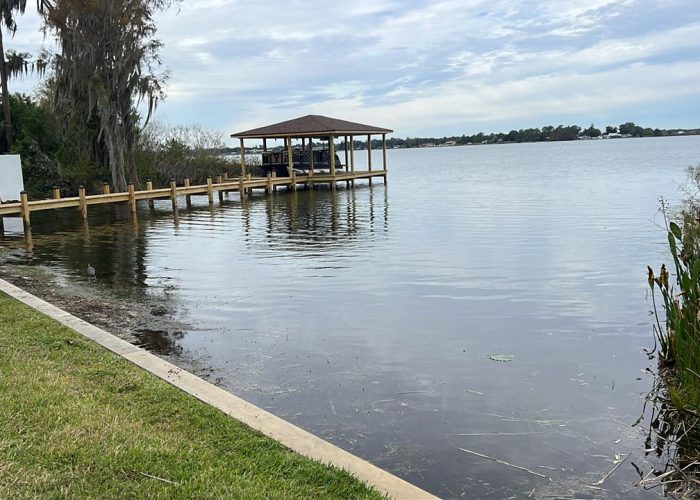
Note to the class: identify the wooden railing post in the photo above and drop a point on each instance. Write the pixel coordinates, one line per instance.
(188, 198)
(210, 191)
(149, 187)
(105, 188)
(56, 193)
(132, 197)
(24, 199)
(83, 202)
(221, 193)
(173, 194)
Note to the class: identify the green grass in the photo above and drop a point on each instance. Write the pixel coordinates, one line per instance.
(78, 421)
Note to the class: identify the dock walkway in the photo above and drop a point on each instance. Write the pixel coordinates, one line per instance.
(221, 185)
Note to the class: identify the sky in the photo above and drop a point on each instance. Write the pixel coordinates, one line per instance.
(423, 68)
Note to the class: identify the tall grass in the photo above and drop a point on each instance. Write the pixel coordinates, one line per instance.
(679, 335)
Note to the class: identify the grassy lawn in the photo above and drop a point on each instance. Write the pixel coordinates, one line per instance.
(78, 421)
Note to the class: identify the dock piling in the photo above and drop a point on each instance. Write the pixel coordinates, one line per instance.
(219, 180)
(268, 189)
(274, 186)
(188, 198)
(56, 193)
(24, 199)
(105, 188)
(149, 187)
(132, 197)
(210, 191)
(173, 194)
(83, 202)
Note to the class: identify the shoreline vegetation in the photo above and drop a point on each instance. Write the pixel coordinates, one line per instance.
(675, 422)
(76, 419)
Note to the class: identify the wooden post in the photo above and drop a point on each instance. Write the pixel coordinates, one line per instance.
(345, 147)
(132, 197)
(188, 198)
(243, 172)
(268, 190)
(56, 193)
(241, 186)
(105, 188)
(369, 156)
(173, 194)
(294, 181)
(24, 199)
(221, 193)
(274, 186)
(83, 202)
(384, 156)
(149, 187)
(264, 144)
(311, 158)
(352, 159)
(210, 191)
(290, 161)
(331, 152)
(2, 227)
(225, 176)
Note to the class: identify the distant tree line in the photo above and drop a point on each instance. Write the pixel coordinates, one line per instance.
(544, 134)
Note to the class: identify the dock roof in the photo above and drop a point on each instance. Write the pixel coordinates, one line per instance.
(311, 126)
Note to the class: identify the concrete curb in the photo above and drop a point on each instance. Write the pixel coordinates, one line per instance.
(274, 427)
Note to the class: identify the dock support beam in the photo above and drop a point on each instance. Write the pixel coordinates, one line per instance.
(173, 194)
(352, 159)
(221, 193)
(243, 171)
(210, 191)
(24, 199)
(83, 202)
(369, 156)
(384, 156)
(149, 187)
(132, 197)
(290, 160)
(188, 198)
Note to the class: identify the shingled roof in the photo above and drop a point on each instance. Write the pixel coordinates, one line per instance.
(311, 126)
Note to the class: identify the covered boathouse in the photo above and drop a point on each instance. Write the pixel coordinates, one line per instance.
(304, 162)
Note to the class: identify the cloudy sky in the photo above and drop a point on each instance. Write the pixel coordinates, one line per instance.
(426, 68)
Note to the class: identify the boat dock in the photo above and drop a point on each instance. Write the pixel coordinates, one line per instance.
(281, 172)
(221, 185)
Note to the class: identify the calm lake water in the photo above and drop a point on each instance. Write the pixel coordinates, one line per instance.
(368, 316)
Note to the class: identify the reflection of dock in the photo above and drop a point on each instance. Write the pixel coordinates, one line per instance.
(243, 185)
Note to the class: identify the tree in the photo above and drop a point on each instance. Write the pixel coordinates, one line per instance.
(592, 131)
(106, 66)
(17, 63)
(610, 130)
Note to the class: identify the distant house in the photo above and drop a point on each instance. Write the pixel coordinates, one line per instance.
(448, 143)
(428, 145)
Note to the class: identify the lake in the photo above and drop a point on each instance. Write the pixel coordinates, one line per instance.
(372, 317)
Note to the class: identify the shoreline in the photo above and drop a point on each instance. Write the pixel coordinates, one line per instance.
(259, 420)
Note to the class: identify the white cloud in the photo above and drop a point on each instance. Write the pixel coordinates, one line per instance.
(422, 67)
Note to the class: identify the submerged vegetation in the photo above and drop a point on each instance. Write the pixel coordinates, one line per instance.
(677, 397)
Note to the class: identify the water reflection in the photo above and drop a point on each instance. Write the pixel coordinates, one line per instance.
(368, 316)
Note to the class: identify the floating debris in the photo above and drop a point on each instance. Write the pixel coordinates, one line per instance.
(503, 358)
